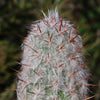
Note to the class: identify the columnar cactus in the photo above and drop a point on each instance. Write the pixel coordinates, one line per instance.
(53, 66)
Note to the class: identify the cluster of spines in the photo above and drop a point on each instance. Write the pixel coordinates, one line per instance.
(53, 66)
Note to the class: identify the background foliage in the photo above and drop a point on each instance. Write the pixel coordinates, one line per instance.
(17, 15)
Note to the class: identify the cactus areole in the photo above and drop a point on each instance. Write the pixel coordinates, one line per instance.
(53, 66)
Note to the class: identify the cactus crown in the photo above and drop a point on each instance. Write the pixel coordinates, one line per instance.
(53, 66)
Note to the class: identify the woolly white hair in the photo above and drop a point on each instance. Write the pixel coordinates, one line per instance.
(53, 66)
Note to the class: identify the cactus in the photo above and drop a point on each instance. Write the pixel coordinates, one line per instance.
(53, 66)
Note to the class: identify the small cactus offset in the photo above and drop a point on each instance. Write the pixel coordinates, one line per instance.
(53, 66)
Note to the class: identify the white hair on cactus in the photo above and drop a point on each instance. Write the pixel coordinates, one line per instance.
(53, 66)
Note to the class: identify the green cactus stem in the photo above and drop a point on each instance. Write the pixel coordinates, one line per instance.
(53, 66)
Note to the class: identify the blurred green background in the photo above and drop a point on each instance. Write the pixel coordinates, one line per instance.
(16, 15)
